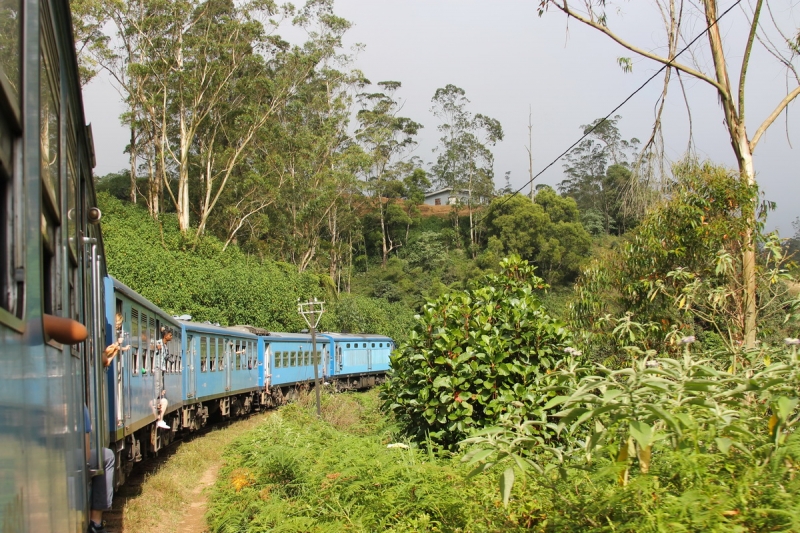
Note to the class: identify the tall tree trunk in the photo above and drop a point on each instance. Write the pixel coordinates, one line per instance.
(734, 120)
(133, 163)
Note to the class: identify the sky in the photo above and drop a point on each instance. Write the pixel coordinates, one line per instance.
(513, 65)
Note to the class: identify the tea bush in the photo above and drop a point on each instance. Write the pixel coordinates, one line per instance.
(473, 355)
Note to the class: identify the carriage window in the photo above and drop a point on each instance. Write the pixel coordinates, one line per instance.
(10, 239)
(152, 343)
(285, 359)
(49, 122)
(293, 359)
(7, 241)
(134, 327)
(348, 344)
(212, 356)
(203, 355)
(134, 342)
(144, 342)
(178, 347)
(277, 359)
(238, 356)
(364, 345)
(373, 344)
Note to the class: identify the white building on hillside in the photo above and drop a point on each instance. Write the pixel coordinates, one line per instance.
(450, 196)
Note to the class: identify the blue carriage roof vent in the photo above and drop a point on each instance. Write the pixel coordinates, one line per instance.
(185, 318)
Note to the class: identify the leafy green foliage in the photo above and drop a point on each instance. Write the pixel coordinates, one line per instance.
(598, 174)
(712, 450)
(547, 232)
(473, 353)
(301, 474)
(681, 269)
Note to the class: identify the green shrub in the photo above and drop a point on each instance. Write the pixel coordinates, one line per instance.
(471, 354)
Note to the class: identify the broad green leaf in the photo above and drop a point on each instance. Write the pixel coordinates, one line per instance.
(506, 482)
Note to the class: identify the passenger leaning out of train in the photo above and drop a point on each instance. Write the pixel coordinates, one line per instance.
(161, 404)
(102, 485)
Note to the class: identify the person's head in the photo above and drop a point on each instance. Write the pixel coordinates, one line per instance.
(118, 320)
(120, 340)
(167, 336)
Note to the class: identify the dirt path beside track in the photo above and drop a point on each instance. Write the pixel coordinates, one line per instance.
(169, 494)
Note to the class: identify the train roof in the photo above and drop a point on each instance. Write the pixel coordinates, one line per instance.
(261, 332)
(283, 336)
(141, 300)
(218, 330)
(357, 336)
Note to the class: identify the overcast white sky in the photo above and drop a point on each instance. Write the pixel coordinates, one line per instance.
(508, 60)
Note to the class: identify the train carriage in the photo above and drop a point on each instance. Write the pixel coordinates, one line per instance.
(359, 360)
(289, 361)
(51, 268)
(222, 372)
(152, 362)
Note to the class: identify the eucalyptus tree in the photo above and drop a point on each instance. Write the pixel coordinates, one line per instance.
(716, 62)
(465, 162)
(308, 154)
(598, 173)
(385, 138)
(258, 91)
(200, 78)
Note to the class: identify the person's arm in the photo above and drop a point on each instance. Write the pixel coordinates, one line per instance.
(109, 353)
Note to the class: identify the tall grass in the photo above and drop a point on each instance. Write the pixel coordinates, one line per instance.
(298, 473)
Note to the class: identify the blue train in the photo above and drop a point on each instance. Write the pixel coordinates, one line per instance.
(207, 370)
(61, 407)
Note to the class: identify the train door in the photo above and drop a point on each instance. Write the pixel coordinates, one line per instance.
(369, 355)
(228, 361)
(122, 364)
(339, 362)
(158, 368)
(326, 360)
(189, 359)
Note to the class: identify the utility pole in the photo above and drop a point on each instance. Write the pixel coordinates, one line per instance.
(311, 311)
(529, 148)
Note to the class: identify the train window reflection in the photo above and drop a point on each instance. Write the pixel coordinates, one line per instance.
(7, 245)
(49, 127)
(10, 57)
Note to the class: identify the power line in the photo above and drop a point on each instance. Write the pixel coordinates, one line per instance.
(625, 101)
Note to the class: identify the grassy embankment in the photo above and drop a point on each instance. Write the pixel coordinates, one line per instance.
(296, 473)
